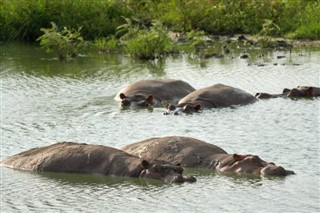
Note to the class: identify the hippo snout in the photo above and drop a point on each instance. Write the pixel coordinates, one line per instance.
(125, 103)
(290, 172)
(182, 179)
(190, 179)
(272, 170)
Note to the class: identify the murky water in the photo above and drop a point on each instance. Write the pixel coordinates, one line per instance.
(44, 101)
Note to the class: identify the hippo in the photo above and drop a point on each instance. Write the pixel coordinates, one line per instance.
(194, 153)
(94, 159)
(216, 96)
(299, 92)
(150, 93)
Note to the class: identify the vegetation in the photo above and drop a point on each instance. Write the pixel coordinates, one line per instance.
(141, 26)
(66, 43)
(109, 44)
(145, 43)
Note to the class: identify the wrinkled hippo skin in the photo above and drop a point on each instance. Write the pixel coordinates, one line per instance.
(299, 92)
(194, 153)
(216, 96)
(147, 93)
(93, 159)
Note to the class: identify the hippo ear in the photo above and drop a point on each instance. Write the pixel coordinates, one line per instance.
(286, 90)
(145, 164)
(149, 99)
(237, 157)
(122, 96)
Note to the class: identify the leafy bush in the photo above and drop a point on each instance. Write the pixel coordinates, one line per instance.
(65, 43)
(146, 43)
(23, 19)
(308, 25)
(109, 44)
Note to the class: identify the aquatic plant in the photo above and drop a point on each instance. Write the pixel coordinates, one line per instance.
(109, 44)
(66, 43)
(195, 43)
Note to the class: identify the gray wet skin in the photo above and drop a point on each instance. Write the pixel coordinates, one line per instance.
(94, 159)
(151, 93)
(298, 92)
(194, 153)
(215, 96)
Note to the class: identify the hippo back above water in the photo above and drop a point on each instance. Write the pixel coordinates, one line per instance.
(216, 96)
(146, 93)
(193, 153)
(298, 92)
(93, 159)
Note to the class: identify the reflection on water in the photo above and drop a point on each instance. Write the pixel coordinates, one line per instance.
(44, 101)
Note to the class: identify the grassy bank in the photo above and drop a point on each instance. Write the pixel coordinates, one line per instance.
(23, 19)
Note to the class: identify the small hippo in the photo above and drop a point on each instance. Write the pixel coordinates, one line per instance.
(194, 153)
(147, 93)
(93, 159)
(299, 92)
(216, 96)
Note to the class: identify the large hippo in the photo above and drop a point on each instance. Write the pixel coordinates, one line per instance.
(146, 93)
(299, 92)
(93, 159)
(216, 96)
(194, 153)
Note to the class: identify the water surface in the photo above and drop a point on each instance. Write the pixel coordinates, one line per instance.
(44, 101)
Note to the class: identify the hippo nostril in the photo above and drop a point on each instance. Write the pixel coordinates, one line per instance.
(190, 179)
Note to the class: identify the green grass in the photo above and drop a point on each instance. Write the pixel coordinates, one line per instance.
(23, 19)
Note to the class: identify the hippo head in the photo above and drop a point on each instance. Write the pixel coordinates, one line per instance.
(250, 164)
(262, 95)
(136, 101)
(177, 110)
(166, 172)
(300, 91)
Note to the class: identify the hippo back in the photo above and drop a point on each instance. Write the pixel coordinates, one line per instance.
(188, 151)
(76, 158)
(218, 95)
(162, 90)
(309, 91)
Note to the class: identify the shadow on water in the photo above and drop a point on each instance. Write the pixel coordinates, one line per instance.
(32, 60)
(241, 179)
(93, 179)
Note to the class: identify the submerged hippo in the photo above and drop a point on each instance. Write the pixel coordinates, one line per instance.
(216, 96)
(146, 93)
(299, 92)
(193, 153)
(93, 159)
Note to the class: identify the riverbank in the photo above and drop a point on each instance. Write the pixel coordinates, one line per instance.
(298, 19)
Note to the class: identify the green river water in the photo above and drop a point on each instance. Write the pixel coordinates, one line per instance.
(44, 101)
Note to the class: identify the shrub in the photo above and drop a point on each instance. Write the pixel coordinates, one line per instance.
(106, 44)
(65, 43)
(146, 43)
